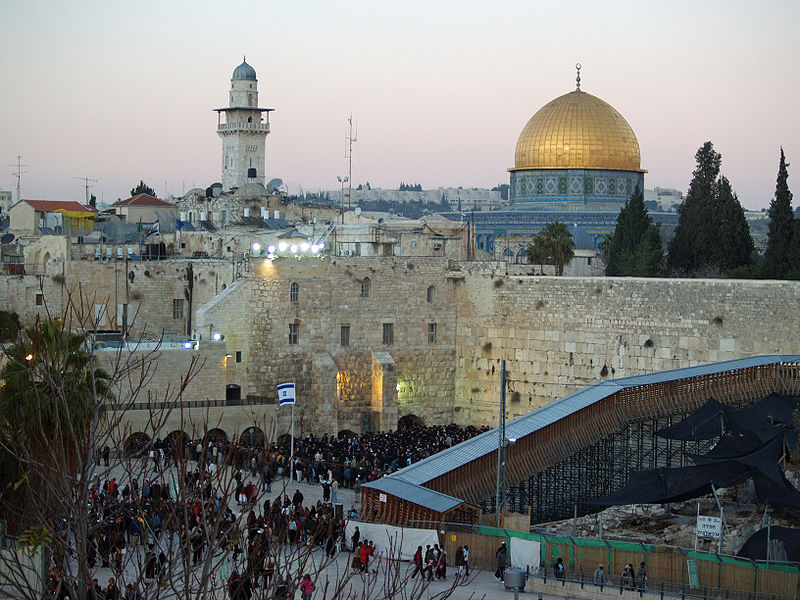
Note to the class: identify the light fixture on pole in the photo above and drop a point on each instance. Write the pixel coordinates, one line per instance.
(342, 180)
(501, 447)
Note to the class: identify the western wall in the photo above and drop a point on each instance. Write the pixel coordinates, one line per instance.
(558, 334)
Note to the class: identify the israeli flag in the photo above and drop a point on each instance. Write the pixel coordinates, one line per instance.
(286, 393)
(154, 230)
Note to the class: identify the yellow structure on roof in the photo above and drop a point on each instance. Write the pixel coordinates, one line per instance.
(577, 131)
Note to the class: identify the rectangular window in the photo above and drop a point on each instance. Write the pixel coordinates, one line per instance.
(431, 333)
(39, 298)
(345, 335)
(238, 356)
(294, 332)
(177, 308)
(388, 333)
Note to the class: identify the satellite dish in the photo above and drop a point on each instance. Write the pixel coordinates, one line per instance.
(7, 238)
(358, 210)
(380, 221)
(274, 184)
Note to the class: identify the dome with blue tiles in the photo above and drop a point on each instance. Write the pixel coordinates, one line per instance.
(244, 72)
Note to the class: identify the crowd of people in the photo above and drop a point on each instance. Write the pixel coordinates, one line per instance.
(168, 525)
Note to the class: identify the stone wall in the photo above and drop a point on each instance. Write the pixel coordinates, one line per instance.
(559, 334)
(329, 296)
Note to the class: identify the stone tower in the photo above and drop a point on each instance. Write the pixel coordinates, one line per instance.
(243, 131)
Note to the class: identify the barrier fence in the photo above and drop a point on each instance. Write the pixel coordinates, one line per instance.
(671, 571)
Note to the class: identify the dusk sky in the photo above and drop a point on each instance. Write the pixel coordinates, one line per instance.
(439, 90)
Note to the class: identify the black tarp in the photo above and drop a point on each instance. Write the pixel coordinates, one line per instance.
(758, 419)
(751, 448)
(755, 547)
(656, 486)
(702, 424)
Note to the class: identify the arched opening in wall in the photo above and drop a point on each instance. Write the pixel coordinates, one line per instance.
(216, 435)
(508, 255)
(431, 294)
(249, 102)
(233, 392)
(346, 434)
(284, 440)
(252, 436)
(45, 260)
(136, 444)
(177, 440)
(522, 257)
(410, 421)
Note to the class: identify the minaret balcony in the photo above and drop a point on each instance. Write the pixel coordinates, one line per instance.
(243, 126)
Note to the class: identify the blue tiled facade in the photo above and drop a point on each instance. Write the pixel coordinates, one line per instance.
(572, 190)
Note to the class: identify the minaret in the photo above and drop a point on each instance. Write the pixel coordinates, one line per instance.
(244, 131)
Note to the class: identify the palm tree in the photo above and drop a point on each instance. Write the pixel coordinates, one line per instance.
(51, 397)
(553, 246)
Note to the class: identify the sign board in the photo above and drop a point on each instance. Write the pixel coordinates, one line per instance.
(694, 580)
(382, 497)
(709, 527)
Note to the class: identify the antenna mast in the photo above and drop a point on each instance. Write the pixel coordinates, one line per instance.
(86, 185)
(349, 156)
(18, 174)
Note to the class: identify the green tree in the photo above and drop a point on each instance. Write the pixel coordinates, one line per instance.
(781, 218)
(553, 246)
(712, 234)
(634, 249)
(142, 188)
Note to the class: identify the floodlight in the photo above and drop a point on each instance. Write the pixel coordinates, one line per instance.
(271, 249)
(256, 247)
(304, 247)
(216, 336)
(187, 345)
(293, 248)
(282, 246)
(314, 248)
(321, 245)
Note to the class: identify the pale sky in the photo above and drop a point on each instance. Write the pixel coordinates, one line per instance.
(123, 91)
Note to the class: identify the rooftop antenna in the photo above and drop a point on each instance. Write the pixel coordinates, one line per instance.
(349, 156)
(87, 185)
(578, 78)
(18, 174)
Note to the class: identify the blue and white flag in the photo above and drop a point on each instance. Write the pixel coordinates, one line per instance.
(286, 393)
(154, 230)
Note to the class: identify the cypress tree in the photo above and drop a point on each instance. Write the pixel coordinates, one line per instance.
(712, 233)
(634, 248)
(779, 243)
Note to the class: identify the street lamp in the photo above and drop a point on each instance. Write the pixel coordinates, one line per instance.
(341, 196)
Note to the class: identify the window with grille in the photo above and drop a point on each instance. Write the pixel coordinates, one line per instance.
(345, 337)
(431, 333)
(294, 293)
(39, 298)
(388, 333)
(177, 308)
(365, 285)
(294, 332)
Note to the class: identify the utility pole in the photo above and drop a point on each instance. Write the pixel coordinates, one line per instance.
(18, 174)
(87, 185)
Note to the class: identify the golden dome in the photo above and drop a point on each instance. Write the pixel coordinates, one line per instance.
(577, 131)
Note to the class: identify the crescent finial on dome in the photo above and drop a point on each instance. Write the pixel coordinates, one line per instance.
(578, 78)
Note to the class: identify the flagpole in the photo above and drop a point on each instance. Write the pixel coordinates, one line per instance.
(291, 453)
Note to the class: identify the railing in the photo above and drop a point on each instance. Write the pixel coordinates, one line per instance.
(244, 125)
(651, 588)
